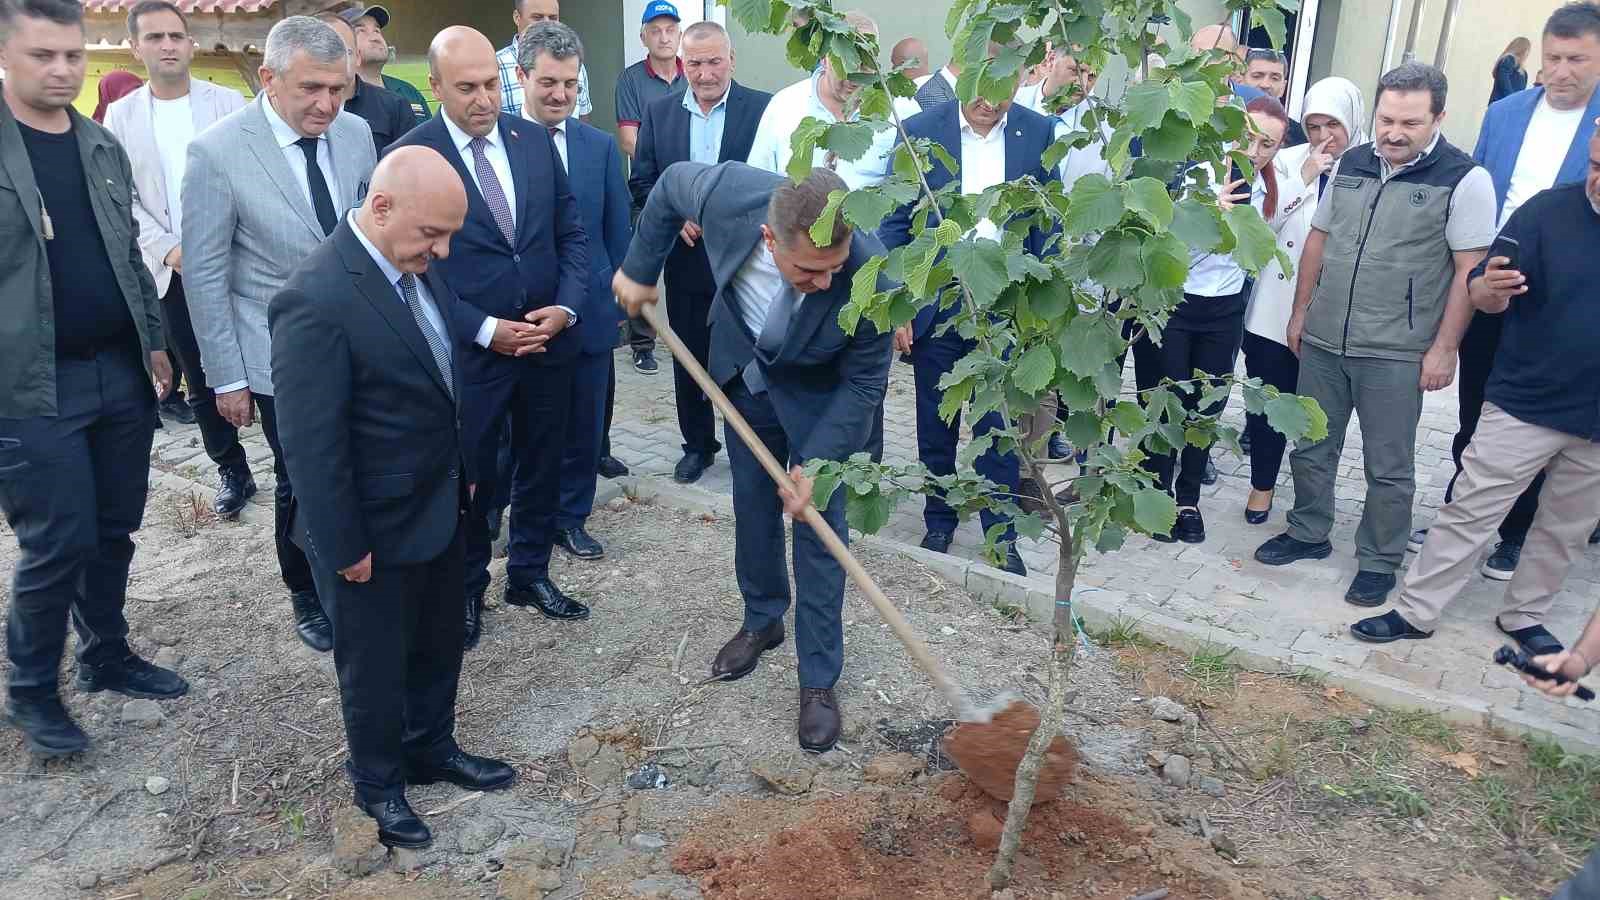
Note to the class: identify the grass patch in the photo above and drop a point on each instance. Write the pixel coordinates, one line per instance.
(1566, 792)
(1212, 667)
(1429, 727)
(1120, 632)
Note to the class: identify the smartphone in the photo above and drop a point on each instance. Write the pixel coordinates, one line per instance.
(1508, 247)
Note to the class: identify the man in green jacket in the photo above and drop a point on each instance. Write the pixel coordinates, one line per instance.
(80, 345)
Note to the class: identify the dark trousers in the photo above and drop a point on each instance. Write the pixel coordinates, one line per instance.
(641, 337)
(292, 562)
(536, 400)
(1180, 353)
(931, 358)
(73, 488)
(586, 425)
(1274, 364)
(1478, 348)
(397, 649)
(759, 552)
(689, 314)
(611, 403)
(220, 437)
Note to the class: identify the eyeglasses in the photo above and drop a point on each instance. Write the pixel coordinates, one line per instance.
(1264, 54)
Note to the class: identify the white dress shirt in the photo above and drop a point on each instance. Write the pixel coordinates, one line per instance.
(495, 152)
(1218, 274)
(172, 123)
(287, 139)
(771, 149)
(1544, 148)
(983, 165)
(757, 283)
(558, 133)
(393, 275)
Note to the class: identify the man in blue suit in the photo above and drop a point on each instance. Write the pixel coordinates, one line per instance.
(990, 143)
(713, 121)
(808, 390)
(548, 59)
(520, 265)
(1530, 141)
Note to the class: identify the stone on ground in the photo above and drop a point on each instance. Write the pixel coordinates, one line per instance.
(356, 851)
(893, 768)
(143, 713)
(791, 773)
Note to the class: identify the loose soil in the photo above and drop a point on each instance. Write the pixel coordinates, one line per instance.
(1320, 796)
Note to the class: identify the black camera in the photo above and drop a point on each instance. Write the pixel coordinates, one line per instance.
(1516, 659)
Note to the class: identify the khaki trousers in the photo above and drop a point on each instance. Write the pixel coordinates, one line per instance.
(1505, 455)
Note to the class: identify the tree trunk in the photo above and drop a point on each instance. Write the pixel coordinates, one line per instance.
(1055, 713)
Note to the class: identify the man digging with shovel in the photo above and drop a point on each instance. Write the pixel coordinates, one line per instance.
(807, 390)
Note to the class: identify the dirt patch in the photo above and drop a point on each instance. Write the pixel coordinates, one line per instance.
(988, 753)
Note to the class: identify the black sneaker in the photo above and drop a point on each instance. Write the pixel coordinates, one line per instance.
(1209, 477)
(1370, 588)
(46, 727)
(1502, 563)
(644, 362)
(611, 467)
(132, 677)
(176, 408)
(1190, 526)
(1283, 550)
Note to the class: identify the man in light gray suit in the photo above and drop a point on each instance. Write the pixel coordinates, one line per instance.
(263, 188)
(809, 390)
(155, 125)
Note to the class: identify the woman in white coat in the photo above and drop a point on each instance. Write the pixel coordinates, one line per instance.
(1333, 118)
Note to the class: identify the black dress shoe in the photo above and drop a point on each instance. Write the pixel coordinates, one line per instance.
(176, 408)
(819, 720)
(238, 486)
(579, 543)
(1190, 527)
(1013, 562)
(691, 467)
(46, 727)
(1370, 589)
(1058, 448)
(937, 541)
(398, 826)
(1283, 550)
(1257, 516)
(544, 596)
(474, 622)
(310, 622)
(644, 362)
(1209, 477)
(1536, 640)
(1386, 629)
(132, 677)
(739, 656)
(611, 467)
(462, 769)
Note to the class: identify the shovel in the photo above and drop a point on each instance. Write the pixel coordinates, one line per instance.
(987, 743)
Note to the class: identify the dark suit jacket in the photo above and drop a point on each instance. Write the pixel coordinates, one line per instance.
(664, 140)
(826, 386)
(1027, 135)
(594, 170)
(370, 436)
(548, 266)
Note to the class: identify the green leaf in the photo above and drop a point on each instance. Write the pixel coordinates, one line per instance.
(1087, 344)
(1127, 417)
(1148, 198)
(1154, 511)
(981, 266)
(823, 485)
(1146, 103)
(1272, 20)
(850, 140)
(1194, 100)
(804, 145)
(1050, 299)
(753, 14)
(1114, 262)
(947, 233)
(1035, 370)
(1175, 139)
(1166, 262)
(1288, 417)
(952, 20)
(1195, 223)
(1096, 205)
(864, 284)
(1255, 244)
(1082, 429)
(870, 513)
(822, 229)
(866, 209)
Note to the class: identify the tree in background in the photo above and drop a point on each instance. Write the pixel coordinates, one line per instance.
(1118, 256)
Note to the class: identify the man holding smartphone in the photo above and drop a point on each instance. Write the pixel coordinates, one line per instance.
(1541, 412)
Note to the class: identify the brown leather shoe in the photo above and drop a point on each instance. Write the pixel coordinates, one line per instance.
(740, 655)
(819, 720)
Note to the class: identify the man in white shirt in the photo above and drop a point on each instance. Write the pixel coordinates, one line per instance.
(155, 125)
(1529, 142)
(825, 96)
(262, 189)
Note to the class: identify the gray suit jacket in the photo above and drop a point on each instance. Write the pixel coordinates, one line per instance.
(826, 386)
(129, 119)
(247, 224)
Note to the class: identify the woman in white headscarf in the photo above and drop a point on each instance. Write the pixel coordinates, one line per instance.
(1333, 117)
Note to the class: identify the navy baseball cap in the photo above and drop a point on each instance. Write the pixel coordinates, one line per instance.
(658, 8)
(378, 14)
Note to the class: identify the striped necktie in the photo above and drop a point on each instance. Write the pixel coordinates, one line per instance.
(441, 355)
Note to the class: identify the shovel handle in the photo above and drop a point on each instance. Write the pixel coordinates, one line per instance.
(902, 629)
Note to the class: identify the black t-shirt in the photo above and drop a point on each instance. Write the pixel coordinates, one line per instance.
(386, 113)
(91, 313)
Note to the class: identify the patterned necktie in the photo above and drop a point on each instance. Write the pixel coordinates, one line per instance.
(321, 199)
(441, 356)
(770, 341)
(493, 194)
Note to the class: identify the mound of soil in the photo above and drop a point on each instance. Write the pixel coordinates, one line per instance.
(988, 752)
(938, 841)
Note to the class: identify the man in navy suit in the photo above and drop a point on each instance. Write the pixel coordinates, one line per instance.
(808, 390)
(714, 121)
(548, 59)
(990, 143)
(520, 265)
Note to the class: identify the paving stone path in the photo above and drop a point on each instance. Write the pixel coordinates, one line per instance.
(1213, 592)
